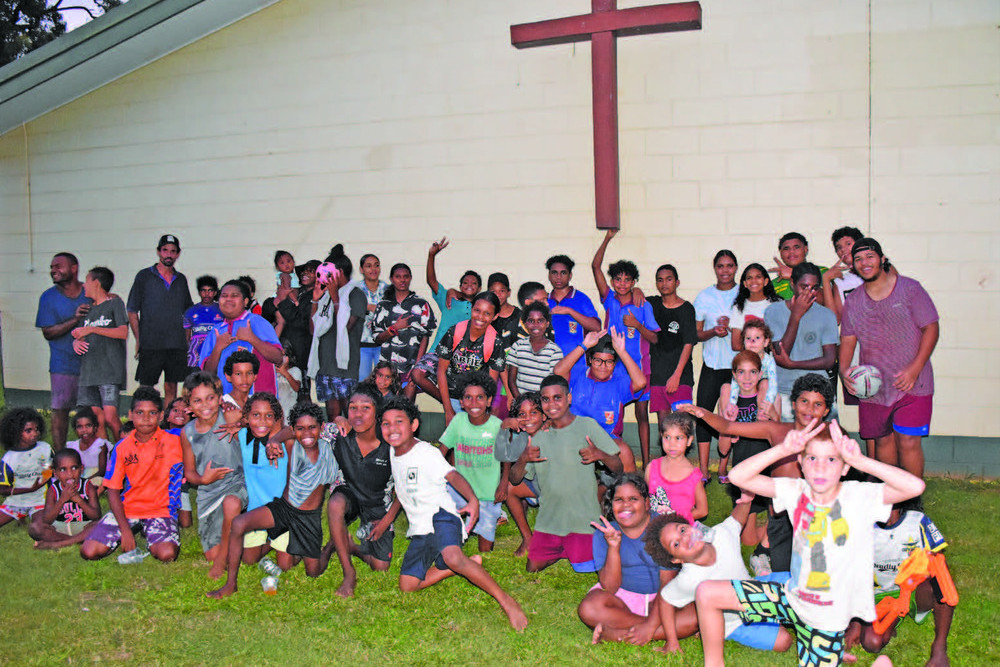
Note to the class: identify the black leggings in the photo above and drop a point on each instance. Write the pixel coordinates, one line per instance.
(709, 387)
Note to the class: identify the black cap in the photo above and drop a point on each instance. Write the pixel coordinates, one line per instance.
(168, 238)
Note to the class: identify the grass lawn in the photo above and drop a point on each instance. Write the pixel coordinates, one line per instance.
(59, 609)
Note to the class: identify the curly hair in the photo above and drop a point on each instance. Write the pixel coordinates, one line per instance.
(241, 356)
(813, 382)
(401, 404)
(396, 385)
(532, 397)
(266, 397)
(654, 548)
(305, 409)
(479, 379)
(13, 423)
(633, 478)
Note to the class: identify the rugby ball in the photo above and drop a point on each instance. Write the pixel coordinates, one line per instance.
(867, 380)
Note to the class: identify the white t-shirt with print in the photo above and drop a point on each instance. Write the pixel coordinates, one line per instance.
(419, 479)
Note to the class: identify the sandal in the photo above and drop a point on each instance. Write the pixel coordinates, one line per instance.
(705, 479)
(723, 479)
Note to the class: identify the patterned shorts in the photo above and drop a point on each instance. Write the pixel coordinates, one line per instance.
(329, 387)
(765, 601)
(161, 529)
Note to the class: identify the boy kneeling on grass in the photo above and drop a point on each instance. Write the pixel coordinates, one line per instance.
(151, 460)
(833, 526)
(421, 477)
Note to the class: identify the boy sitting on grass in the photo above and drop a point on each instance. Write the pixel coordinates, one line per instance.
(71, 505)
(473, 436)
(151, 461)
(560, 460)
(833, 525)
(421, 475)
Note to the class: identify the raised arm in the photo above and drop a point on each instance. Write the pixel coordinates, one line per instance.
(747, 474)
(435, 248)
(635, 373)
(595, 265)
(899, 484)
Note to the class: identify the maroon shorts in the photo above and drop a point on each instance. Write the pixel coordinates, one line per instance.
(577, 548)
(910, 415)
(661, 401)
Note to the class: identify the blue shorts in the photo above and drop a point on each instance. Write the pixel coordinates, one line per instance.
(425, 550)
(331, 387)
(489, 514)
(761, 636)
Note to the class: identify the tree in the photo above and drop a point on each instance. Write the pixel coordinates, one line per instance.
(27, 24)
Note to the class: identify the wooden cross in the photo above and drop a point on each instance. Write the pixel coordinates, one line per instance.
(602, 27)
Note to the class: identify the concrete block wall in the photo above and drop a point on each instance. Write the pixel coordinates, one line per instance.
(385, 124)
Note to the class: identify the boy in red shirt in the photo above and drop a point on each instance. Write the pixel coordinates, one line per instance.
(151, 461)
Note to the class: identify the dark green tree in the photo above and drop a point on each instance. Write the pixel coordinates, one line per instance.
(27, 24)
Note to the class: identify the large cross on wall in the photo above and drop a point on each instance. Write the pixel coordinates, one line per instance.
(602, 26)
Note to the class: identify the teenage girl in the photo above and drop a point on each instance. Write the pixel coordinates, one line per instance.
(756, 293)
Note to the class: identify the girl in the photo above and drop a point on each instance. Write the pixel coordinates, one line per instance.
(507, 324)
(385, 379)
(213, 464)
(25, 467)
(623, 605)
(265, 479)
(514, 436)
(756, 339)
(675, 484)
(402, 325)
(177, 415)
(756, 293)
(672, 377)
(289, 377)
(93, 450)
(469, 346)
(373, 288)
(713, 306)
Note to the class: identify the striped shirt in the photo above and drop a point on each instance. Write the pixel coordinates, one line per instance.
(533, 367)
(305, 475)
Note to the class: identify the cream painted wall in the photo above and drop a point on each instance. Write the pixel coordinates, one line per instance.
(384, 124)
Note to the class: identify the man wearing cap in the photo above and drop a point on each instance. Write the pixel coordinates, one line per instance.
(896, 324)
(60, 310)
(156, 306)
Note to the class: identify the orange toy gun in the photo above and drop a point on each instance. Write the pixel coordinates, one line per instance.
(920, 565)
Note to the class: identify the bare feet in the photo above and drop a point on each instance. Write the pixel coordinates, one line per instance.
(849, 658)
(882, 661)
(516, 616)
(223, 592)
(346, 589)
(478, 559)
(218, 569)
(522, 550)
(596, 637)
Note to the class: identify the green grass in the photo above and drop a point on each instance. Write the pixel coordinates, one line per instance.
(56, 608)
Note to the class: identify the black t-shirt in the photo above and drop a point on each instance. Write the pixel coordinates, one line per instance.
(469, 356)
(366, 477)
(507, 327)
(677, 329)
(161, 309)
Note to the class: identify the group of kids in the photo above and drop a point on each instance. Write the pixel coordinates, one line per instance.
(262, 478)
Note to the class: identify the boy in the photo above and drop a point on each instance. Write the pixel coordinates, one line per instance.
(840, 279)
(71, 505)
(561, 460)
(531, 359)
(573, 314)
(793, 249)
(241, 370)
(436, 532)
(101, 343)
(833, 524)
(907, 529)
(454, 309)
(201, 318)
(299, 510)
(473, 434)
(705, 555)
(151, 461)
(621, 314)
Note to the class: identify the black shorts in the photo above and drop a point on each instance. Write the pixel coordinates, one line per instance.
(171, 363)
(304, 527)
(709, 387)
(381, 548)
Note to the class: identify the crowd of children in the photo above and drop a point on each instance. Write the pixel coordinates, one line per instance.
(533, 397)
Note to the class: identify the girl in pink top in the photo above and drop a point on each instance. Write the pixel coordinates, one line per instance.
(674, 482)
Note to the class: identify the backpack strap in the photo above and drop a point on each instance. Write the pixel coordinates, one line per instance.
(489, 338)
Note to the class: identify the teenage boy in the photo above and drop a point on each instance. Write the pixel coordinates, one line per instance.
(454, 309)
(472, 434)
(436, 532)
(60, 309)
(573, 314)
(101, 343)
(805, 332)
(152, 462)
(561, 462)
(156, 305)
(637, 322)
(793, 250)
(201, 318)
(840, 279)
(896, 324)
(833, 544)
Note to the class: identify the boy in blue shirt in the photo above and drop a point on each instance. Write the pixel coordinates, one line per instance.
(201, 318)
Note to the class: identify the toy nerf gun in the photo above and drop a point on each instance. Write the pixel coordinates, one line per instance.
(920, 565)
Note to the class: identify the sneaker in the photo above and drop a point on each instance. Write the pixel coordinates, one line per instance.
(920, 616)
(131, 557)
(269, 567)
(760, 564)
